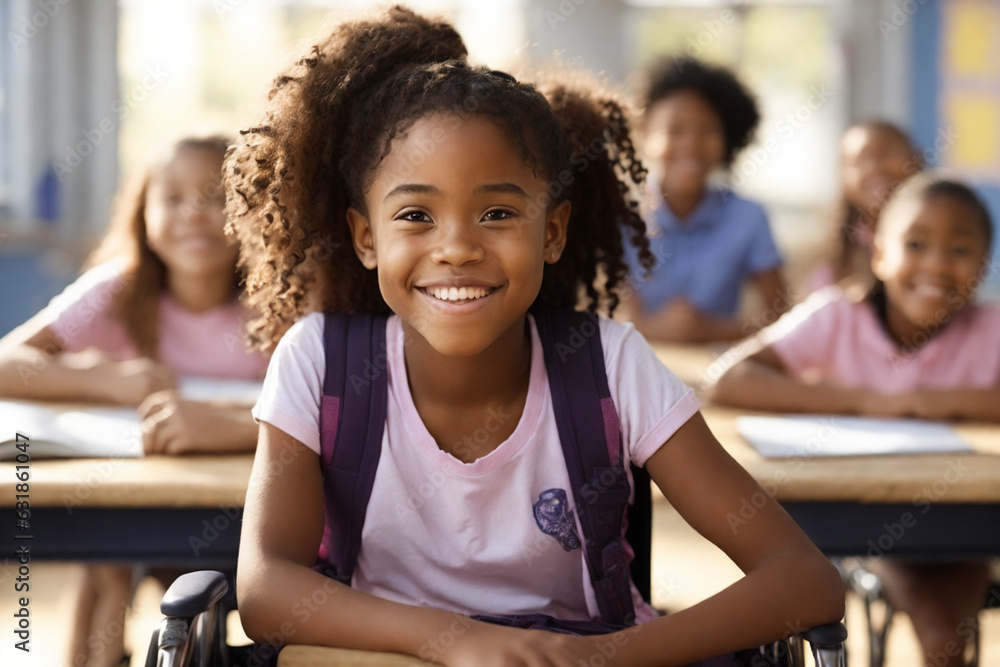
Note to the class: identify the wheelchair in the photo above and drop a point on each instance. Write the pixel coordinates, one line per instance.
(192, 632)
(879, 612)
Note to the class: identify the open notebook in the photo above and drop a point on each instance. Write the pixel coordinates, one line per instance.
(99, 432)
(832, 435)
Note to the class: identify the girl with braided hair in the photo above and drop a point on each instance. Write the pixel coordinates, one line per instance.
(390, 176)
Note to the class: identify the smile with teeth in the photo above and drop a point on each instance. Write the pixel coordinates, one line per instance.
(458, 294)
(930, 290)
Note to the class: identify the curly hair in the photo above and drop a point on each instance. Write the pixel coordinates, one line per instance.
(144, 275)
(334, 116)
(732, 101)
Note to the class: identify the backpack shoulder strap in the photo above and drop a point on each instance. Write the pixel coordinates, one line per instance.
(352, 420)
(591, 441)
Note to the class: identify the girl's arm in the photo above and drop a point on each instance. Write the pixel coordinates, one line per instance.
(789, 585)
(773, 290)
(757, 380)
(680, 322)
(173, 425)
(972, 404)
(34, 366)
(283, 601)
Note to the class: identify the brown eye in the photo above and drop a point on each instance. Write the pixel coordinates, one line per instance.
(497, 215)
(414, 216)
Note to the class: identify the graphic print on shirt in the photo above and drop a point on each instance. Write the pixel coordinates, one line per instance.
(555, 518)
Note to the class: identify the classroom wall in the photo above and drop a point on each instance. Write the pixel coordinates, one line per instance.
(955, 94)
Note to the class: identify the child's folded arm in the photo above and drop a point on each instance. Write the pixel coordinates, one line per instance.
(972, 404)
(680, 322)
(789, 585)
(33, 365)
(760, 381)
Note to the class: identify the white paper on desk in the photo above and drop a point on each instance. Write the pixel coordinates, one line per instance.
(75, 433)
(210, 389)
(831, 435)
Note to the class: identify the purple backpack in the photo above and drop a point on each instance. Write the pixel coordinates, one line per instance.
(352, 420)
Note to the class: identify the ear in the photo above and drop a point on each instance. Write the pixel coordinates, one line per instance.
(878, 258)
(364, 240)
(556, 223)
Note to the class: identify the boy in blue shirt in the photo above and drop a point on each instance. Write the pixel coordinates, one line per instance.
(708, 241)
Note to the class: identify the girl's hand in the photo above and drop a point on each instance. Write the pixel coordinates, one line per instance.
(173, 425)
(485, 645)
(873, 404)
(130, 382)
(680, 320)
(933, 405)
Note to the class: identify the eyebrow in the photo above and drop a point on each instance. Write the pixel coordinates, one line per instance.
(501, 188)
(492, 188)
(411, 189)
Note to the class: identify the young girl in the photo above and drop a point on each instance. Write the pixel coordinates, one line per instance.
(915, 346)
(707, 240)
(876, 156)
(160, 300)
(450, 198)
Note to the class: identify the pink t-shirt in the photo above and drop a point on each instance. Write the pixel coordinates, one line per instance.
(830, 338)
(206, 344)
(463, 536)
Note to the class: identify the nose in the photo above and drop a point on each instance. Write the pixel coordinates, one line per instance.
(194, 210)
(458, 243)
(937, 261)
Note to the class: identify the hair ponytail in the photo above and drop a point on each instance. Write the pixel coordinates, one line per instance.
(606, 177)
(286, 198)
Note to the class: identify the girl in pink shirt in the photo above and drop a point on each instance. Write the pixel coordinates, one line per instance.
(916, 346)
(160, 300)
(389, 175)
(875, 157)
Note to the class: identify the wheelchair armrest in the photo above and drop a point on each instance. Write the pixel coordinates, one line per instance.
(831, 635)
(193, 593)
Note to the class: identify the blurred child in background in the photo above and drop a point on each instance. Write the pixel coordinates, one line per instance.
(160, 299)
(876, 156)
(915, 346)
(708, 241)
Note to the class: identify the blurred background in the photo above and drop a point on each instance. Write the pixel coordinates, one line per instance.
(89, 88)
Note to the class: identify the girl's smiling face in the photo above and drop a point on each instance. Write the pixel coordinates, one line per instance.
(185, 217)
(685, 137)
(459, 229)
(929, 253)
(873, 162)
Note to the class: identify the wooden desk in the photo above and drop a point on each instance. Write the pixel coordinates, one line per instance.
(169, 510)
(932, 506)
(186, 510)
